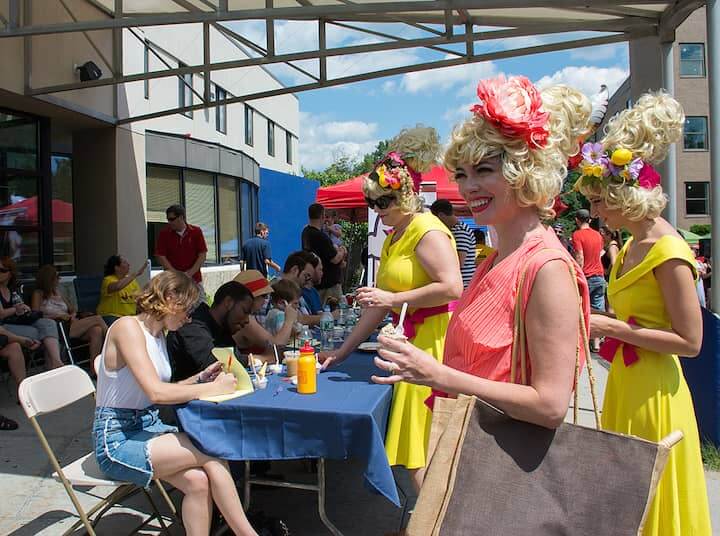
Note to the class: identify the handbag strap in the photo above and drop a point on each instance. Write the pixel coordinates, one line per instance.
(519, 346)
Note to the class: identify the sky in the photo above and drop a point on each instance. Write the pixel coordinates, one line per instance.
(350, 120)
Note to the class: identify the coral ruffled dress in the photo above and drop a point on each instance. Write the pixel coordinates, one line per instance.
(647, 395)
(480, 335)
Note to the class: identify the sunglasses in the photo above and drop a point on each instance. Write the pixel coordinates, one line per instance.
(381, 202)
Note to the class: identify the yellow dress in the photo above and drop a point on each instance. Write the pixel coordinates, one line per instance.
(400, 270)
(120, 303)
(650, 398)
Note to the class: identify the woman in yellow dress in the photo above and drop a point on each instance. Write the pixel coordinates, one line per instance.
(652, 292)
(418, 265)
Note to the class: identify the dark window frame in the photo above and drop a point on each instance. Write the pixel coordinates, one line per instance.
(702, 61)
(288, 147)
(146, 68)
(704, 133)
(252, 207)
(705, 198)
(220, 110)
(185, 85)
(249, 125)
(271, 137)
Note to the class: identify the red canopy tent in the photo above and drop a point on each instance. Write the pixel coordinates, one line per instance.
(349, 194)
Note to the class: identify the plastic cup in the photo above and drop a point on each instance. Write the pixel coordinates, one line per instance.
(260, 383)
(291, 361)
(275, 368)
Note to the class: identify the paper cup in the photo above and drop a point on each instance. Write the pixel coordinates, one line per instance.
(259, 383)
(275, 368)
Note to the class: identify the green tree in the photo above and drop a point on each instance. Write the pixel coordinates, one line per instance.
(701, 229)
(340, 170)
(574, 200)
(367, 163)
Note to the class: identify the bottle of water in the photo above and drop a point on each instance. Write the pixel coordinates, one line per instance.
(342, 317)
(305, 336)
(350, 321)
(326, 329)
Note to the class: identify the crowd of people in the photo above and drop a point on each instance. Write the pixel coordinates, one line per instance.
(509, 160)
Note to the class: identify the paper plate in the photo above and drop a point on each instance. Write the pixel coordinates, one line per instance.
(369, 347)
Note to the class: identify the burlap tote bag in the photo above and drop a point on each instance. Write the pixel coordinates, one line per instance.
(489, 474)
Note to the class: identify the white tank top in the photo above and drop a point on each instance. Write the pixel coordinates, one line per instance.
(118, 388)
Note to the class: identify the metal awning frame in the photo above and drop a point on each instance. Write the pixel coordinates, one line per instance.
(623, 20)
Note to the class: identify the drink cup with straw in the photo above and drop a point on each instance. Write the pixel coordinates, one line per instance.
(277, 367)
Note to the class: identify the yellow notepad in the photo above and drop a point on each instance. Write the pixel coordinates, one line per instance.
(244, 384)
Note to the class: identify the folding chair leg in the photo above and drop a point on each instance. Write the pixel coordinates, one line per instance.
(157, 512)
(168, 500)
(66, 342)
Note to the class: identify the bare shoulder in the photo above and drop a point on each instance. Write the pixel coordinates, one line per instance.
(553, 279)
(125, 327)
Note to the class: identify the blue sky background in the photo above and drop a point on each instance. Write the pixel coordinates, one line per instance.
(350, 120)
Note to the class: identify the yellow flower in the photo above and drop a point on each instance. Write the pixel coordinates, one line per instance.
(381, 176)
(621, 156)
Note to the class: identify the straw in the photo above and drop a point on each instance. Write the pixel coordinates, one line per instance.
(251, 358)
(399, 328)
(277, 359)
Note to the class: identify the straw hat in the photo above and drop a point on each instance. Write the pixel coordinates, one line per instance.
(255, 282)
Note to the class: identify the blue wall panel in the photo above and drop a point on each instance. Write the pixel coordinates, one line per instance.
(284, 200)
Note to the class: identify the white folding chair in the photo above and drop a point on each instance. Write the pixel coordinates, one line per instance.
(53, 390)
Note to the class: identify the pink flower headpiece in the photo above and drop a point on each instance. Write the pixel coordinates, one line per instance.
(392, 170)
(514, 107)
(617, 167)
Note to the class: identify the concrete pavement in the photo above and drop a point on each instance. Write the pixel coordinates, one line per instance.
(33, 503)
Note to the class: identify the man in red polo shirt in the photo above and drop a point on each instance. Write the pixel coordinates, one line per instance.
(181, 246)
(588, 245)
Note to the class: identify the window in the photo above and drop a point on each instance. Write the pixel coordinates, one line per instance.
(697, 198)
(20, 196)
(62, 213)
(163, 189)
(288, 148)
(146, 68)
(229, 218)
(628, 104)
(185, 94)
(271, 138)
(692, 60)
(695, 138)
(220, 110)
(200, 207)
(248, 125)
(248, 222)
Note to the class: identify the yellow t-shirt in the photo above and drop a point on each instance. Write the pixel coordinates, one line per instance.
(120, 303)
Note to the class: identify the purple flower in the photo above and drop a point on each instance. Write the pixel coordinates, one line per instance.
(634, 168)
(594, 153)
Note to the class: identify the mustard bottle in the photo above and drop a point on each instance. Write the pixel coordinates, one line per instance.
(307, 373)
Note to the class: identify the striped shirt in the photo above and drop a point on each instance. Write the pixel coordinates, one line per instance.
(465, 243)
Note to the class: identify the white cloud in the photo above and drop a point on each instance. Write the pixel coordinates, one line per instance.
(599, 53)
(458, 113)
(325, 141)
(586, 78)
(448, 77)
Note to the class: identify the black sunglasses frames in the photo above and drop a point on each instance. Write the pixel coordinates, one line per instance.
(381, 202)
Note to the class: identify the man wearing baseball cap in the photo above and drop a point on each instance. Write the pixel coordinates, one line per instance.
(253, 337)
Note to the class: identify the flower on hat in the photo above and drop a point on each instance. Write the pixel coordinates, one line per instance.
(514, 107)
(620, 156)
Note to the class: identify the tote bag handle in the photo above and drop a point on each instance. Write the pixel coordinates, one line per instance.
(519, 346)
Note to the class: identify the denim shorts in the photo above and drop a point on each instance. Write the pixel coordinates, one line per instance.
(122, 440)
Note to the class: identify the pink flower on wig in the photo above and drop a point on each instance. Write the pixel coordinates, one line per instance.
(648, 178)
(514, 107)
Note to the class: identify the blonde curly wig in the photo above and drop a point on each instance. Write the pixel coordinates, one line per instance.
(419, 147)
(647, 130)
(167, 293)
(536, 175)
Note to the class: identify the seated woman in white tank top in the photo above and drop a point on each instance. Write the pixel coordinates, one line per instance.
(132, 444)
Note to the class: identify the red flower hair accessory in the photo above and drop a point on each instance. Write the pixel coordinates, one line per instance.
(514, 107)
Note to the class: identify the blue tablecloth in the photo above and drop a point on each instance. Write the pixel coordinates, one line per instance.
(346, 418)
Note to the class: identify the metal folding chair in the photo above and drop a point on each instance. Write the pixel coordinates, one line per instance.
(56, 389)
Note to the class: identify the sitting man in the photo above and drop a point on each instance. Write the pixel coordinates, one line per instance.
(253, 337)
(191, 346)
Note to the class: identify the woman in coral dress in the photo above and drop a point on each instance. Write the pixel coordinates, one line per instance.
(509, 163)
(418, 265)
(652, 292)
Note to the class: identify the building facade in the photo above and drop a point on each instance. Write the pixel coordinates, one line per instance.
(691, 90)
(76, 188)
